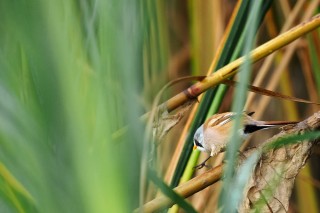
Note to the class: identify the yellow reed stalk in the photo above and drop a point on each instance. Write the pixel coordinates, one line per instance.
(232, 68)
(185, 190)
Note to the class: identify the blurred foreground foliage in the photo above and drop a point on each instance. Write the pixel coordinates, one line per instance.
(71, 74)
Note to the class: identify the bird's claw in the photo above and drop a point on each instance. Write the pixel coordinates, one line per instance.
(201, 165)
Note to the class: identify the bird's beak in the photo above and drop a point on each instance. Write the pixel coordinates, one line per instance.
(194, 147)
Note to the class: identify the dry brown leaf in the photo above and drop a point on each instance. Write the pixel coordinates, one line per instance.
(270, 93)
(165, 121)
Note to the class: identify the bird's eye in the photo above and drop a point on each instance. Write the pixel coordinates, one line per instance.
(197, 143)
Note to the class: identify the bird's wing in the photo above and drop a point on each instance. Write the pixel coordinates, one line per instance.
(221, 119)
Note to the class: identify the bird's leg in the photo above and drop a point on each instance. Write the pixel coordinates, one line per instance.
(201, 165)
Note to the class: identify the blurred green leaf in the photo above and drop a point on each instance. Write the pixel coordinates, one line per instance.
(176, 198)
(70, 75)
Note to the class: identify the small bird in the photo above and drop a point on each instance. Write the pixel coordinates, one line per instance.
(212, 136)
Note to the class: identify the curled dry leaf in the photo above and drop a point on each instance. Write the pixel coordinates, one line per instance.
(272, 180)
(164, 121)
(270, 93)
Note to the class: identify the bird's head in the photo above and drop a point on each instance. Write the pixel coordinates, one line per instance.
(198, 139)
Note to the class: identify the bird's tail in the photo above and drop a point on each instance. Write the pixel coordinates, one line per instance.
(250, 128)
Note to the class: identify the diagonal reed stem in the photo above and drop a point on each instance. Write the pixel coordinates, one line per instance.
(232, 68)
